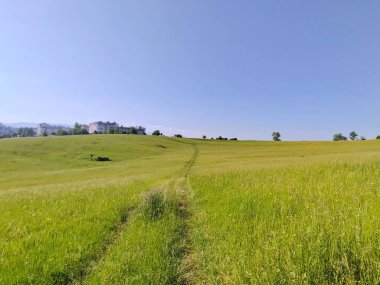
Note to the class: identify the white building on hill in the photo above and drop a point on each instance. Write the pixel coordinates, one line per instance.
(101, 127)
(5, 130)
(46, 129)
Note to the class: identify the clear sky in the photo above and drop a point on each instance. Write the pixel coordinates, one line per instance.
(240, 69)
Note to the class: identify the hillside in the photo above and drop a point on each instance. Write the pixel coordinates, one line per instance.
(187, 211)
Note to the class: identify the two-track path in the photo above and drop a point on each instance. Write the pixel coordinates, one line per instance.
(182, 268)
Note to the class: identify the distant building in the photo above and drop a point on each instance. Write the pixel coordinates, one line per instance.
(6, 131)
(46, 129)
(102, 127)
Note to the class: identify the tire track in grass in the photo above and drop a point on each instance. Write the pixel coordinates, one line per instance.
(81, 272)
(179, 245)
(183, 268)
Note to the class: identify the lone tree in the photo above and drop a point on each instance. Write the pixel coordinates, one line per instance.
(276, 136)
(156, 133)
(353, 135)
(204, 137)
(339, 137)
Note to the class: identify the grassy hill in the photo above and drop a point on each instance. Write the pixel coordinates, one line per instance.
(184, 211)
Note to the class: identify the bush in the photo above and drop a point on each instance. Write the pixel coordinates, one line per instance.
(102, 158)
(339, 137)
(378, 137)
(178, 136)
(233, 139)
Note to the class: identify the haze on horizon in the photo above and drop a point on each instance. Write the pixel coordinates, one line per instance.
(236, 69)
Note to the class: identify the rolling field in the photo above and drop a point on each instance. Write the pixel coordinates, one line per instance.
(184, 211)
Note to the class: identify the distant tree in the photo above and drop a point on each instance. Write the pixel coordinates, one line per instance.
(141, 130)
(62, 132)
(339, 137)
(156, 133)
(76, 129)
(276, 136)
(178, 136)
(212, 138)
(45, 134)
(219, 138)
(25, 132)
(353, 135)
(362, 138)
(233, 139)
(83, 132)
(204, 137)
(378, 137)
(133, 130)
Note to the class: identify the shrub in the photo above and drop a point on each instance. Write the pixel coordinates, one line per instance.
(102, 158)
(339, 137)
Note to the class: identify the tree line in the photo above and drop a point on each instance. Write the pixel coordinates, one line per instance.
(353, 136)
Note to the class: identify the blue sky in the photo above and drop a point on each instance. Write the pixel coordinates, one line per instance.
(240, 69)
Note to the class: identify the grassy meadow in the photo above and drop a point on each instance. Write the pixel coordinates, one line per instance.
(286, 213)
(186, 211)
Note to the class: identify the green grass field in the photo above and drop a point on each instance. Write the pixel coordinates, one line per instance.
(188, 211)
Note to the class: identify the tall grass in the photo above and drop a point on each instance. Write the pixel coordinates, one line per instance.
(144, 252)
(53, 232)
(238, 213)
(300, 222)
(151, 248)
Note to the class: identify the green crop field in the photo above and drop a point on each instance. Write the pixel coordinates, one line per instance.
(186, 211)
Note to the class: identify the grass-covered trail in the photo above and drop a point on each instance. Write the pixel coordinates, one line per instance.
(64, 212)
(153, 247)
(183, 211)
